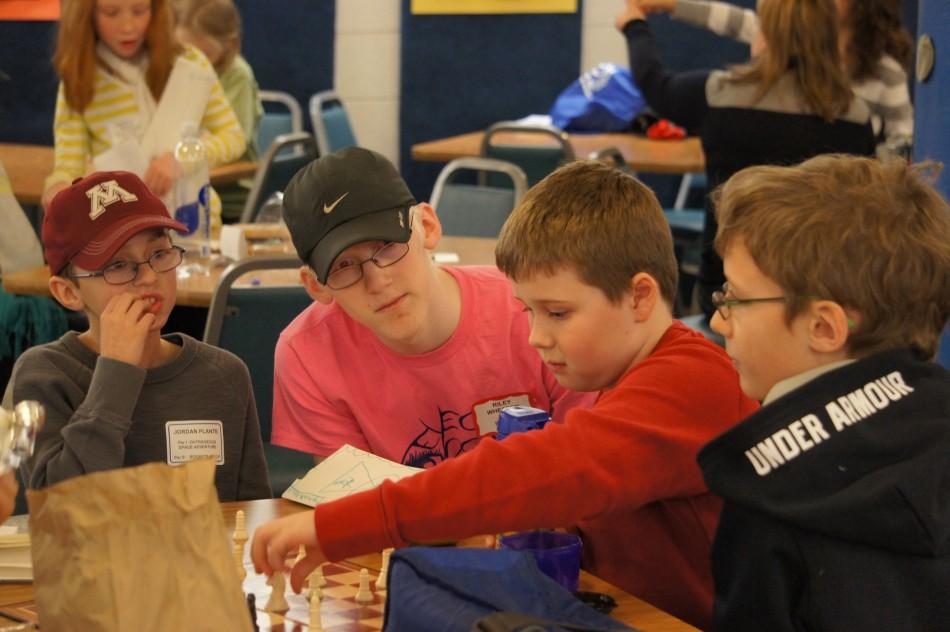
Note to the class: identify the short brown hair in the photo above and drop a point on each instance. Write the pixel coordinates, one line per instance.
(873, 237)
(603, 222)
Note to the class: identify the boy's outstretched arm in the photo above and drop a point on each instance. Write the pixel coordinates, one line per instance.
(279, 539)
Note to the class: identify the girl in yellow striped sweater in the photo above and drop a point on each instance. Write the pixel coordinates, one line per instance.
(114, 58)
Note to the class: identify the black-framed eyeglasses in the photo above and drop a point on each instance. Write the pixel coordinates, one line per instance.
(122, 272)
(348, 272)
(724, 303)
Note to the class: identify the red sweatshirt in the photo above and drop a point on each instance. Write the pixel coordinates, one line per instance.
(623, 471)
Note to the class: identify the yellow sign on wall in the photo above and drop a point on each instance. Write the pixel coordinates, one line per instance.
(29, 9)
(462, 7)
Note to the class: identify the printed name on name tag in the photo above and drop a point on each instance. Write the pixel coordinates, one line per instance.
(189, 440)
(488, 411)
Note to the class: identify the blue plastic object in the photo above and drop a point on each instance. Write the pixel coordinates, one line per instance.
(603, 99)
(521, 419)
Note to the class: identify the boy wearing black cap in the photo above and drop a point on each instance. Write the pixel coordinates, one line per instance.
(120, 393)
(398, 356)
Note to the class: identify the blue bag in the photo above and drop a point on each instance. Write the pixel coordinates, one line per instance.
(603, 99)
(449, 590)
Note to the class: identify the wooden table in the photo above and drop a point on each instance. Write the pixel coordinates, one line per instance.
(629, 610)
(641, 154)
(196, 290)
(28, 166)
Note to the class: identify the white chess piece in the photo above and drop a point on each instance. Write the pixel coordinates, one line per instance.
(301, 553)
(363, 595)
(313, 585)
(239, 537)
(277, 602)
(240, 528)
(316, 624)
(383, 570)
(239, 561)
(318, 573)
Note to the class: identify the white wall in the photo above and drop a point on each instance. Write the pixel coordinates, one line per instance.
(366, 62)
(600, 41)
(366, 70)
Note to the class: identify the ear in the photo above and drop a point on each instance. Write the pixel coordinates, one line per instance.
(66, 292)
(316, 291)
(829, 326)
(431, 226)
(643, 295)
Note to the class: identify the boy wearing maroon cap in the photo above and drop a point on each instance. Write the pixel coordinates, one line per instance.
(121, 393)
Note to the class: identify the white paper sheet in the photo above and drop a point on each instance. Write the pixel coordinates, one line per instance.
(19, 246)
(346, 471)
(184, 99)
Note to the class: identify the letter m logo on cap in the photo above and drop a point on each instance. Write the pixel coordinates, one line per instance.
(104, 194)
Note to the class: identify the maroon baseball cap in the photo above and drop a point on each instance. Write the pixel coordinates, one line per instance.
(87, 222)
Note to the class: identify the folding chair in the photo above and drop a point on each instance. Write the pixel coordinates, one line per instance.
(275, 169)
(247, 322)
(331, 125)
(552, 149)
(476, 210)
(275, 123)
(687, 225)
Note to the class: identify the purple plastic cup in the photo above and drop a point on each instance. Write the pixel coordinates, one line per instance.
(558, 554)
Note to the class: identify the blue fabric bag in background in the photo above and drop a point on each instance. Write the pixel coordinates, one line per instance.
(448, 590)
(603, 99)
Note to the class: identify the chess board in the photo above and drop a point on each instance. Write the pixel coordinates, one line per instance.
(339, 611)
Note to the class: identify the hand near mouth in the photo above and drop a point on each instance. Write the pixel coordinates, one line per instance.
(125, 324)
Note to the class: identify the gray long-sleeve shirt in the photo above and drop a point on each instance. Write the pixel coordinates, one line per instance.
(886, 91)
(103, 414)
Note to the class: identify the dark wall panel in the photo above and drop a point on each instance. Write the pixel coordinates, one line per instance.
(932, 108)
(289, 43)
(27, 82)
(460, 73)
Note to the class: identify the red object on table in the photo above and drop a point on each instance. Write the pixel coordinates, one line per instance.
(665, 130)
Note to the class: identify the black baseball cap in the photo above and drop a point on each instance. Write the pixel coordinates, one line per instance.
(344, 198)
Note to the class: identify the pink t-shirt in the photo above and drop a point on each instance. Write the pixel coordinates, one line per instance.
(336, 383)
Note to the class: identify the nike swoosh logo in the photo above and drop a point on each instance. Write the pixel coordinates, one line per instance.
(327, 209)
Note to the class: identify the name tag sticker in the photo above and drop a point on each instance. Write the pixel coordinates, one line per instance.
(488, 411)
(189, 440)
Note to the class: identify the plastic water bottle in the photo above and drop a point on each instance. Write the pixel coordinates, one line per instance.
(192, 192)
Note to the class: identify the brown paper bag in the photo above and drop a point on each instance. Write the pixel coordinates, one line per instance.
(141, 548)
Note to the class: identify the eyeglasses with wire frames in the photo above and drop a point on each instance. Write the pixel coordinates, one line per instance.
(352, 271)
(724, 303)
(122, 272)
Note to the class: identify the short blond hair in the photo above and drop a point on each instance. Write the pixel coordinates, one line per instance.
(596, 219)
(873, 237)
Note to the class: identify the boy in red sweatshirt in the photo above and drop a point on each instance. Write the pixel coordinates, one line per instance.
(590, 255)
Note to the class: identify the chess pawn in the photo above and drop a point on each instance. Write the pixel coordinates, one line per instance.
(313, 585)
(277, 602)
(363, 594)
(383, 570)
